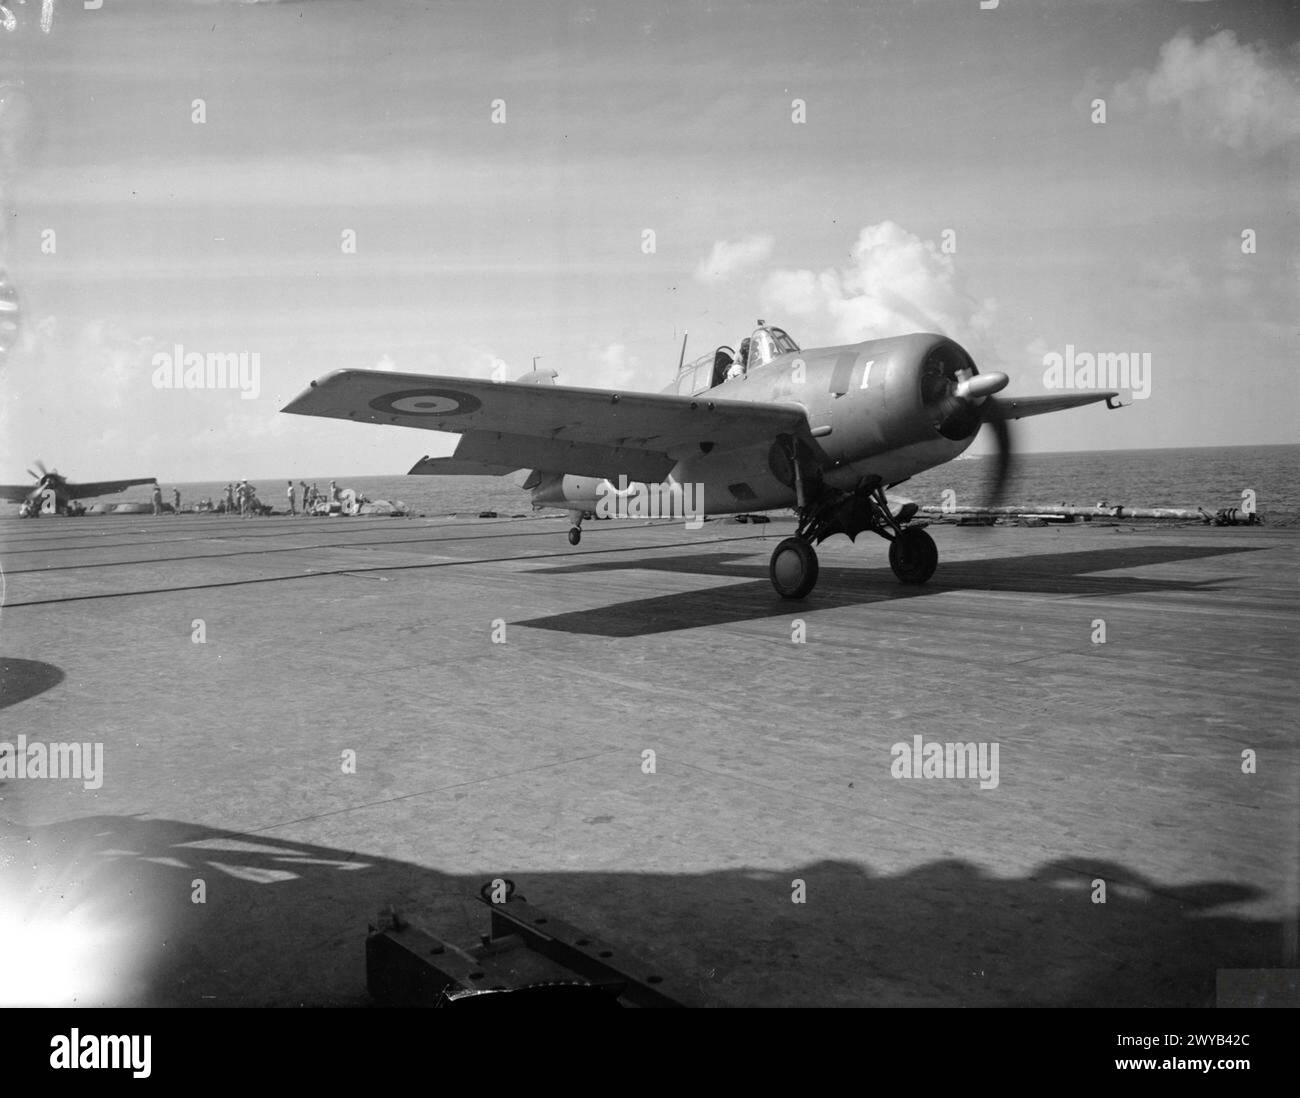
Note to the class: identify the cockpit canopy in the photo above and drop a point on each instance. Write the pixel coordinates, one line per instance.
(705, 372)
(766, 344)
(712, 369)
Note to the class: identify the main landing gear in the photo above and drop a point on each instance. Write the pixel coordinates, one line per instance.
(575, 531)
(794, 568)
(912, 553)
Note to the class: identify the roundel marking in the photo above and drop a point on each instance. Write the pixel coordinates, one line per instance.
(427, 402)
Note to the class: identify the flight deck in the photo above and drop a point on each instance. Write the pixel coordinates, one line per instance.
(306, 721)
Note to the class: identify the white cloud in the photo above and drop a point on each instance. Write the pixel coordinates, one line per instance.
(1223, 91)
(728, 260)
(895, 283)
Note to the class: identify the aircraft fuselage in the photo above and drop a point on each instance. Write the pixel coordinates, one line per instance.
(869, 416)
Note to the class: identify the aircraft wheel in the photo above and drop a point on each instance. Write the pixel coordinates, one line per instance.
(794, 568)
(575, 536)
(913, 556)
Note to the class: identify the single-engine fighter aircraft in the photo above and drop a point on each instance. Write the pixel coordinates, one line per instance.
(53, 494)
(770, 426)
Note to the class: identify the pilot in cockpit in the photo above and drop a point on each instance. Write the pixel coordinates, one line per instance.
(738, 366)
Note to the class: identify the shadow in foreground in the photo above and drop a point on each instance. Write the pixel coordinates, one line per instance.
(110, 918)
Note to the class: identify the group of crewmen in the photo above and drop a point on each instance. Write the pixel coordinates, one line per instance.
(158, 500)
(241, 497)
(311, 496)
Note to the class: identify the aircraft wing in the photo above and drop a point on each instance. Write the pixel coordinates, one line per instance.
(453, 467)
(514, 425)
(1020, 407)
(104, 487)
(16, 493)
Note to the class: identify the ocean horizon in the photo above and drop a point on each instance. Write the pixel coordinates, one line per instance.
(1212, 477)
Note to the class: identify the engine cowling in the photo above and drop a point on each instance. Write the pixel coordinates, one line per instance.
(564, 489)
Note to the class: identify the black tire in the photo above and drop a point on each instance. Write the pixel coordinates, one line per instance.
(913, 556)
(793, 568)
(575, 536)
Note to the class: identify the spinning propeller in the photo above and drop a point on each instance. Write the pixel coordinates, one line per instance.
(1004, 459)
(45, 475)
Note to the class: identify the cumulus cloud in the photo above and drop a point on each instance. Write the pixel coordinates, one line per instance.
(730, 259)
(894, 283)
(1222, 91)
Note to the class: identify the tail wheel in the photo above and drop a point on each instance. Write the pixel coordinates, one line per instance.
(794, 568)
(913, 555)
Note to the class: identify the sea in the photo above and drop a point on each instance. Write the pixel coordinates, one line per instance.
(1209, 477)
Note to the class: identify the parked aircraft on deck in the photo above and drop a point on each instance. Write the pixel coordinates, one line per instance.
(52, 494)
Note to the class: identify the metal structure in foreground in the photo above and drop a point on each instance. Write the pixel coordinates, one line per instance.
(527, 958)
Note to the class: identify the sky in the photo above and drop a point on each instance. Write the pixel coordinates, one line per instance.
(457, 187)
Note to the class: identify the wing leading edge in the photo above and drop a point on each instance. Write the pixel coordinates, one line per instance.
(1021, 407)
(105, 487)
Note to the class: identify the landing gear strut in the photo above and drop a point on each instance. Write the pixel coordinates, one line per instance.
(575, 531)
(912, 553)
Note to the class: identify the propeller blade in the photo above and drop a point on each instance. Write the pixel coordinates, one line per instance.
(40, 465)
(32, 475)
(1003, 460)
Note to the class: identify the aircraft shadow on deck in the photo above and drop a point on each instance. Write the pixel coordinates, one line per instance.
(285, 923)
(1033, 574)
